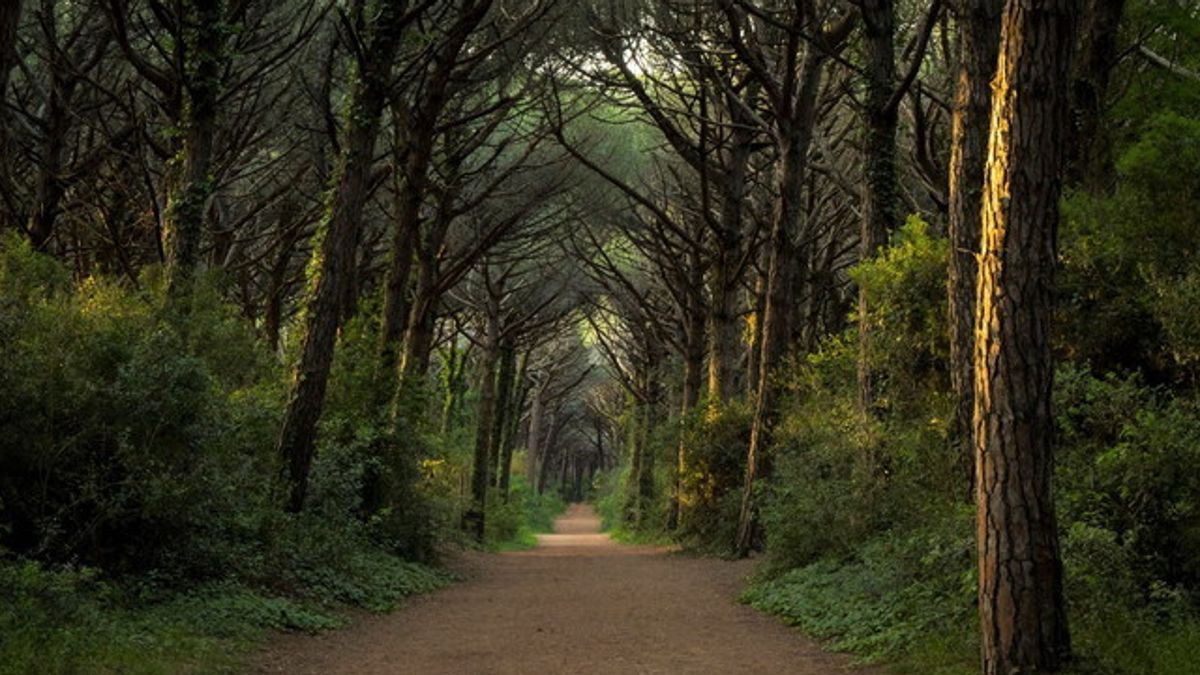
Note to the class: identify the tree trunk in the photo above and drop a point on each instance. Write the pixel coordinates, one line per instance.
(534, 435)
(418, 127)
(1021, 609)
(10, 21)
(693, 375)
(777, 308)
(504, 396)
(414, 165)
(1090, 162)
(509, 433)
(547, 453)
(335, 252)
(273, 312)
(979, 44)
(50, 188)
(724, 329)
(474, 520)
(880, 196)
(189, 192)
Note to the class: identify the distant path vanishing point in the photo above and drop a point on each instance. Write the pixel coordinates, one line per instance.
(579, 603)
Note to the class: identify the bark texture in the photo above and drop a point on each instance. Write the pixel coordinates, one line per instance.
(1022, 617)
(880, 195)
(192, 187)
(979, 44)
(336, 251)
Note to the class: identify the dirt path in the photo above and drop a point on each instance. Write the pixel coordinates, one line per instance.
(579, 603)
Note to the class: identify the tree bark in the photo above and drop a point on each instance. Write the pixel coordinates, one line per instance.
(784, 259)
(190, 190)
(1022, 617)
(979, 44)
(504, 400)
(475, 518)
(335, 250)
(724, 329)
(880, 195)
(508, 437)
(419, 130)
(534, 435)
(693, 376)
(10, 22)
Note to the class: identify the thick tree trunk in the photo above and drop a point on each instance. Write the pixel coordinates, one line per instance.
(396, 308)
(419, 334)
(880, 196)
(336, 254)
(1021, 609)
(187, 198)
(979, 44)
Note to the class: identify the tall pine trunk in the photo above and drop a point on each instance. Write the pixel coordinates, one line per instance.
(335, 250)
(880, 196)
(979, 44)
(1021, 610)
(189, 191)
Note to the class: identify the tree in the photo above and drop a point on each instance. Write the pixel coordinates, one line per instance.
(380, 38)
(791, 88)
(1021, 608)
(978, 45)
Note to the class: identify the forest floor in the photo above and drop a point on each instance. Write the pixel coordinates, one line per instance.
(578, 603)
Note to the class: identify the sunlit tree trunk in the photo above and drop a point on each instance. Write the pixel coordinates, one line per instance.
(512, 424)
(534, 435)
(979, 43)
(1022, 617)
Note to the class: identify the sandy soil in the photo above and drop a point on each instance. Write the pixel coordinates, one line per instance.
(579, 603)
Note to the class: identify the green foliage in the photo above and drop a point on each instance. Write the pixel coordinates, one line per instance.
(905, 287)
(893, 592)
(1130, 258)
(149, 433)
(715, 441)
(70, 621)
(867, 530)
(513, 523)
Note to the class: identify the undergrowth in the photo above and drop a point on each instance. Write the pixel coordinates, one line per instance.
(69, 620)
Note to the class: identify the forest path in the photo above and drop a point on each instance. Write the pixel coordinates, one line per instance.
(579, 603)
